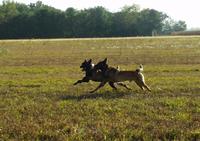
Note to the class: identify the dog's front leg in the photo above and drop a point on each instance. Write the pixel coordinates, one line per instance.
(112, 85)
(100, 85)
(85, 79)
(124, 85)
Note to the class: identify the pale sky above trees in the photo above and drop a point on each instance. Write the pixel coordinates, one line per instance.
(186, 10)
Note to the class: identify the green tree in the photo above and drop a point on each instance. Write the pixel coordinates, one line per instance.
(98, 22)
(8, 10)
(170, 25)
(180, 26)
(49, 22)
(125, 21)
(70, 19)
(150, 20)
(37, 20)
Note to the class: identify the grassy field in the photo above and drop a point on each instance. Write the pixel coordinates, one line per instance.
(39, 102)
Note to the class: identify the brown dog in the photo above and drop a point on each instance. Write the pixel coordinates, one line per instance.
(112, 75)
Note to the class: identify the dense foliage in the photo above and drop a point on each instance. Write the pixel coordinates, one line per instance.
(37, 20)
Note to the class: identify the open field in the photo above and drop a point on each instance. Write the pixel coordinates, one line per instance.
(39, 102)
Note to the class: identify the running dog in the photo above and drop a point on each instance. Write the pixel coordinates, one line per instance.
(96, 75)
(113, 75)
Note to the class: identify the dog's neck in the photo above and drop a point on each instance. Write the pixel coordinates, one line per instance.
(104, 68)
(89, 70)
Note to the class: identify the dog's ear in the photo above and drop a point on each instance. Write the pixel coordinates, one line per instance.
(90, 61)
(105, 60)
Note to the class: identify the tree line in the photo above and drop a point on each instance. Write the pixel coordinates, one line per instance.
(37, 20)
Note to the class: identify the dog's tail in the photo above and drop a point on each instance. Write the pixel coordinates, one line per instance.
(140, 69)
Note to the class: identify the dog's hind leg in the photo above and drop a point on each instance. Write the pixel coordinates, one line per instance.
(100, 85)
(139, 83)
(142, 85)
(147, 87)
(124, 85)
(112, 85)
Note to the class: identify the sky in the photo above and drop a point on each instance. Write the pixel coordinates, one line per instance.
(186, 10)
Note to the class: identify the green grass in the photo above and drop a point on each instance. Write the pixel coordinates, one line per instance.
(39, 102)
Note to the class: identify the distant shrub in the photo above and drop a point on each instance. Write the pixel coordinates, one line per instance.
(186, 33)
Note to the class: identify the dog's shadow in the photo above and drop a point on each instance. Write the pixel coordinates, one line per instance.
(102, 95)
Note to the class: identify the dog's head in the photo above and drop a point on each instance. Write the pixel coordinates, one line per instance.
(102, 65)
(86, 65)
(140, 69)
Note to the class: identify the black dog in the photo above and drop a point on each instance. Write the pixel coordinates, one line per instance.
(92, 74)
(96, 75)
